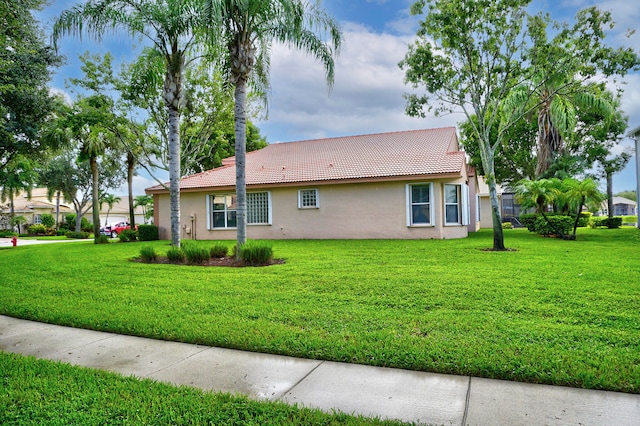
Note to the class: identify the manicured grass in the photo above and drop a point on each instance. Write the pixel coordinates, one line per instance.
(44, 392)
(554, 311)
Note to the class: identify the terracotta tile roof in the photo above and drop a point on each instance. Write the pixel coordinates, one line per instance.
(410, 153)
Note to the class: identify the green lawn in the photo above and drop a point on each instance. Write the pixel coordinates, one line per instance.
(48, 393)
(553, 311)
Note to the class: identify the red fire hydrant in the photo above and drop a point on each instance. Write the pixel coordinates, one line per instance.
(14, 241)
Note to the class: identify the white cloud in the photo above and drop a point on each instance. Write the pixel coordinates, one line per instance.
(139, 184)
(367, 96)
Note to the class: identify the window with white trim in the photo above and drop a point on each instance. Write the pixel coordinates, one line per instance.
(308, 199)
(456, 205)
(452, 214)
(419, 204)
(37, 219)
(223, 210)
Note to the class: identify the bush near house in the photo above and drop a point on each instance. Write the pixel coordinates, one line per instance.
(37, 229)
(127, 236)
(611, 223)
(77, 235)
(536, 223)
(47, 220)
(148, 232)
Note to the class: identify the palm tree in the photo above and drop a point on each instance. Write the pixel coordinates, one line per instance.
(144, 201)
(540, 194)
(171, 26)
(580, 193)
(250, 27)
(111, 200)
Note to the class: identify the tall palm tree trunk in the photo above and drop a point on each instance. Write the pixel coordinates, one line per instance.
(241, 143)
(609, 194)
(57, 209)
(95, 198)
(173, 97)
(131, 165)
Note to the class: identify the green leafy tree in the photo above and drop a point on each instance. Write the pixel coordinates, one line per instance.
(18, 175)
(563, 68)
(171, 26)
(26, 65)
(207, 121)
(467, 56)
(630, 195)
(249, 29)
(73, 179)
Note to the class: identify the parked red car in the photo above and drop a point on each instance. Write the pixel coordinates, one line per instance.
(115, 229)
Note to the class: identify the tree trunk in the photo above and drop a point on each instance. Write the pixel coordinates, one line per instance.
(241, 143)
(130, 171)
(496, 215)
(609, 194)
(95, 199)
(487, 156)
(173, 97)
(57, 210)
(575, 224)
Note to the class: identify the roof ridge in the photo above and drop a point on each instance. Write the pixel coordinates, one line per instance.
(362, 135)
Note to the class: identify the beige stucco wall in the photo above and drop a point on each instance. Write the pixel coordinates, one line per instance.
(347, 211)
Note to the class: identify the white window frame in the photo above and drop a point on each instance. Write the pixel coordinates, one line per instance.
(410, 204)
(37, 219)
(301, 198)
(210, 211)
(464, 213)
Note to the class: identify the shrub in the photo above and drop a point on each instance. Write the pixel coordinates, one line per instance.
(219, 250)
(614, 222)
(507, 225)
(102, 239)
(37, 229)
(584, 220)
(47, 220)
(196, 255)
(148, 233)
(127, 235)
(148, 254)
(175, 254)
(256, 253)
(529, 220)
(77, 235)
(537, 223)
(7, 234)
(630, 219)
(70, 220)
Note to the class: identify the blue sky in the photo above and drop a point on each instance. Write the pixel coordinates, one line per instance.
(367, 95)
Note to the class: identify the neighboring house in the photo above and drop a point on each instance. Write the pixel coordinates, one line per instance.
(410, 185)
(510, 210)
(32, 208)
(119, 213)
(621, 207)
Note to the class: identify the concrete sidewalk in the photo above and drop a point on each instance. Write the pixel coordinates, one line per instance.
(411, 396)
(6, 242)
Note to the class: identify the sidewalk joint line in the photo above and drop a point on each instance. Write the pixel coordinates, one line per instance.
(300, 381)
(466, 403)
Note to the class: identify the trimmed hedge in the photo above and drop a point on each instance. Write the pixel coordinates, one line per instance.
(127, 235)
(614, 222)
(537, 223)
(148, 233)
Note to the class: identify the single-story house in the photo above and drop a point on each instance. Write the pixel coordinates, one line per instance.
(401, 185)
(621, 207)
(32, 208)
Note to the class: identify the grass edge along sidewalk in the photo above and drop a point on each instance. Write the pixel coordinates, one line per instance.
(47, 392)
(554, 312)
